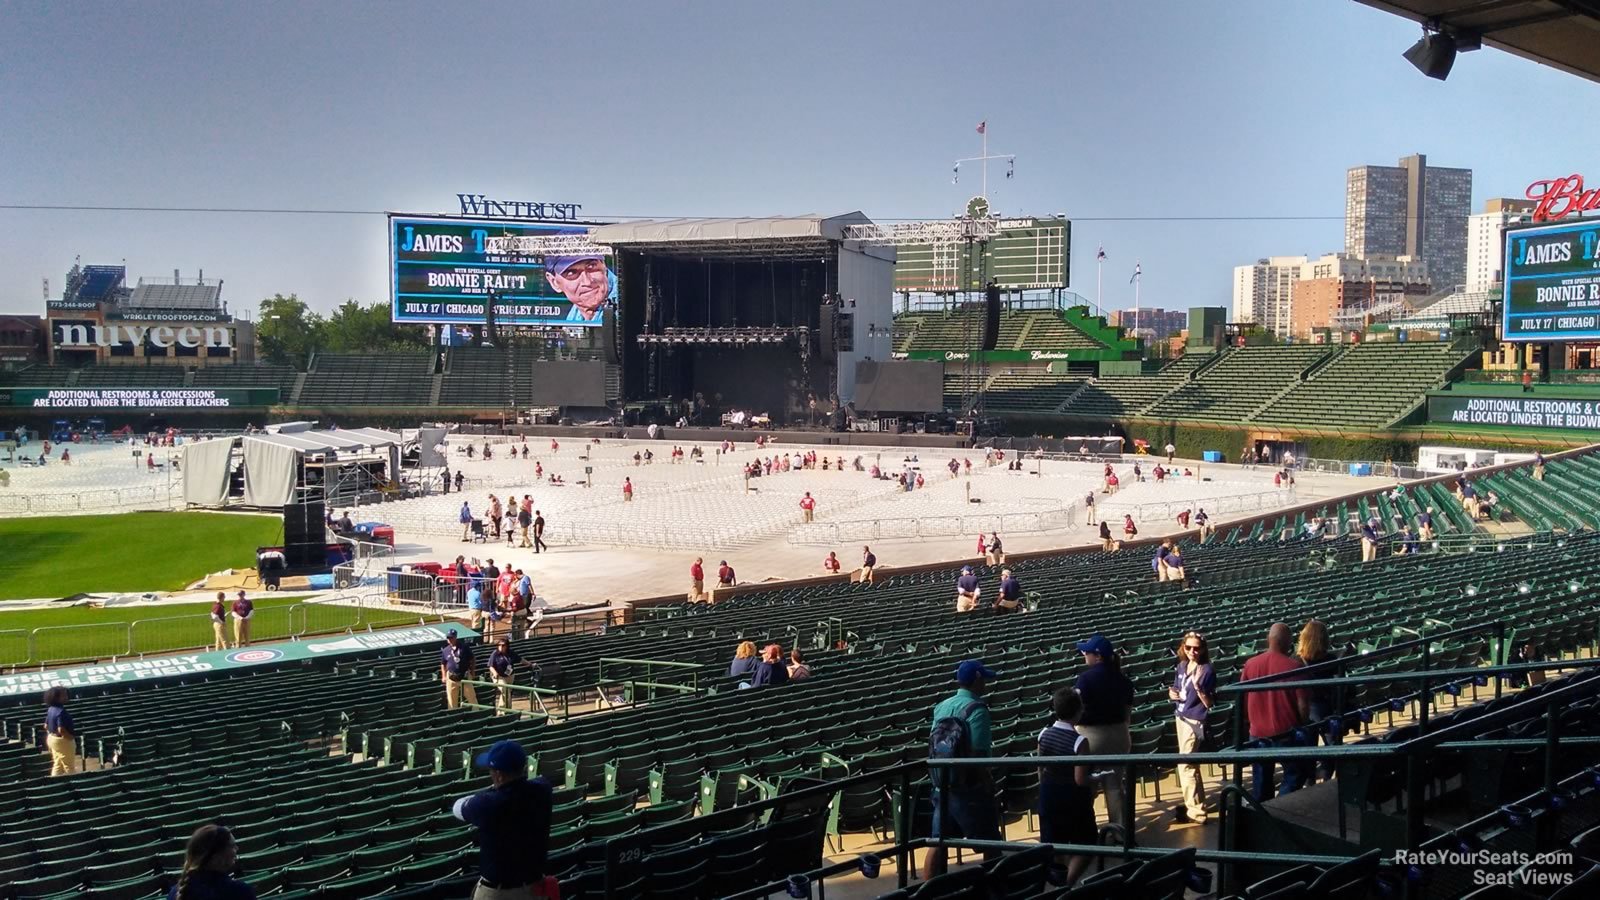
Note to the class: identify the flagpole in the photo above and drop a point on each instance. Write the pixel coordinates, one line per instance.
(985, 130)
(1138, 277)
(1099, 280)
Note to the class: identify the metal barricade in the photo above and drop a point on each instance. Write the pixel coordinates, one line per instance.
(16, 647)
(70, 643)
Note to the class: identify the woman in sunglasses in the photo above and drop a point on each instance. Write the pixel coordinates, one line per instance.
(1193, 691)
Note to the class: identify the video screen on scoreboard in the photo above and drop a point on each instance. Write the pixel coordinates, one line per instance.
(1552, 282)
(443, 273)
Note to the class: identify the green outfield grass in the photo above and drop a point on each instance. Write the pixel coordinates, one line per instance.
(57, 556)
(73, 633)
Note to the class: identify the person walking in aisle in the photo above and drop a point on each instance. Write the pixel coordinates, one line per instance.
(60, 735)
(538, 532)
(1193, 692)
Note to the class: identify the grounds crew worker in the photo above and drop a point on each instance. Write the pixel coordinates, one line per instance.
(455, 666)
(243, 609)
(60, 736)
(513, 822)
(219, 621)
(502, 665)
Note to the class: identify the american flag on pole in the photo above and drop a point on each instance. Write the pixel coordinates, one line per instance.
(1138, 269)
(1100, 256)
(983, 126)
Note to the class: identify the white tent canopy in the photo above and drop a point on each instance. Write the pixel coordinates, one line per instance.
(273, 465)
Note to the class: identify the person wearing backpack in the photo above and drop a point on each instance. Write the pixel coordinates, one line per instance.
(963, 799)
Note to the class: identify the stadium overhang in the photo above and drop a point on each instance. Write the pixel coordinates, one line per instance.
(1562, 34)
(812, 237)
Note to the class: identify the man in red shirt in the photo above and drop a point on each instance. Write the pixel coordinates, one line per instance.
(243, 609)
(697, 580)
(807, 505)
(1274, 715)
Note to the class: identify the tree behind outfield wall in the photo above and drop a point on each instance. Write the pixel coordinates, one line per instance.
(288, 332)
(354, 328)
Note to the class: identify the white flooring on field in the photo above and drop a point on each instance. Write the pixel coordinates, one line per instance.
(604, 548)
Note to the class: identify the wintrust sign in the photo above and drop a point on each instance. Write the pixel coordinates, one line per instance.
(70, 337)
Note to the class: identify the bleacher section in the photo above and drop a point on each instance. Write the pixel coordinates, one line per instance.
(1369, 385)
(264, 375)
(1240, 383)
(38, 376)
(1020, 330)
(356, 379)
(1030, 390)
(477, 376)
(1127, 395)
(131, 376)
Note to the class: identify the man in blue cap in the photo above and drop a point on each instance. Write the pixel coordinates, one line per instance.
(963, 798)
(456, 666)
(584, 280)
(513, 822)
(1107, 704)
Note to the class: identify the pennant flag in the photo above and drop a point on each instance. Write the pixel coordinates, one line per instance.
(1138, 269)
(1101, 255)
(983, 126)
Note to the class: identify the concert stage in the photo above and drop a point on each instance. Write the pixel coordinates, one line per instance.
(760, 315)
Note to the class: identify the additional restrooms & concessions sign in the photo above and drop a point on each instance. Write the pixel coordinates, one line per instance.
(1524, 412)
(138, 398)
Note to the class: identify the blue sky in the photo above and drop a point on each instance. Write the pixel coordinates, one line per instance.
(1157, 110)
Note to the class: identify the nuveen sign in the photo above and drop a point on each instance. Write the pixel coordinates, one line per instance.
(74, 336)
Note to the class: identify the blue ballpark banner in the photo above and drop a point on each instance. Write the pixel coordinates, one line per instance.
(1552, 282)
(442, 273)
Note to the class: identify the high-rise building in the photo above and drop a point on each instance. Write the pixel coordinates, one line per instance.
(1411, 209)
(1262, 292)
(1156, 324)
(1269, 292)
(1486, 245)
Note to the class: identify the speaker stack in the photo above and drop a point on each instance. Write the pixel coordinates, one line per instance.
(305, 536)
(991, 316)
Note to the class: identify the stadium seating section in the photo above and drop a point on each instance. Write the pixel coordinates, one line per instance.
(1370, 384)
(963, 330)
(1031, 390)
(1240, 383)
(337, 780)
(1118, 396)
(355, 379)
(260, 376)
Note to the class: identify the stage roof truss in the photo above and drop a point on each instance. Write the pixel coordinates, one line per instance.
(932, 231)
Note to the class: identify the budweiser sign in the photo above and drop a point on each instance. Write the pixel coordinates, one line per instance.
(1558, 198)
